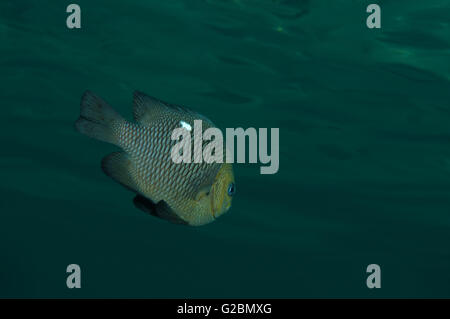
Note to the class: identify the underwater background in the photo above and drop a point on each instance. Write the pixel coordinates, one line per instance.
(364, 119)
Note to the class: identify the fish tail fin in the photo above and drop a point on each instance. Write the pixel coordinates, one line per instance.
(97, 119)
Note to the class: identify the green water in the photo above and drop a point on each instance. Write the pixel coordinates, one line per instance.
(364, 118)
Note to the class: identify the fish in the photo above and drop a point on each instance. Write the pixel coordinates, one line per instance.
(184, 193)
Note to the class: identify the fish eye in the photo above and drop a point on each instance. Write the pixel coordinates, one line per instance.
(231, 189)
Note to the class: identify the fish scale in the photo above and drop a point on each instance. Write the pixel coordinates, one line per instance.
(134, 138)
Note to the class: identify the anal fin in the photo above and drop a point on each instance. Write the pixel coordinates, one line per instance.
(117, 166)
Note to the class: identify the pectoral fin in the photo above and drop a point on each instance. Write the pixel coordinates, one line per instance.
(203, 191)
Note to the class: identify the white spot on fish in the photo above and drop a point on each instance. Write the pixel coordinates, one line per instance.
(187, 126)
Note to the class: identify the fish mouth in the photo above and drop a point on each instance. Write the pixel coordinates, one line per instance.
(213, 213)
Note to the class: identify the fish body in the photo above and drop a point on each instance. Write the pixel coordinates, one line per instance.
(184, 193)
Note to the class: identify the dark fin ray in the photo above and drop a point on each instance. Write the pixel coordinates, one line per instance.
(118, 166)
(160, 210)
(145, 205)
(97, 119)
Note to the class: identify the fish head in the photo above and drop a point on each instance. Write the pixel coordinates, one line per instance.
(222, 190)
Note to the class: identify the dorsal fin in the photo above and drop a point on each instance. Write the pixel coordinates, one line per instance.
(147, 110)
